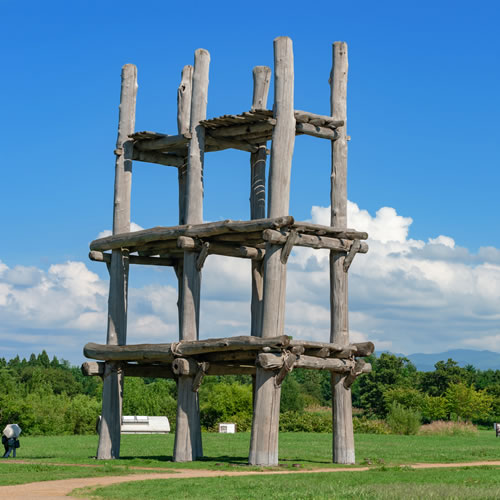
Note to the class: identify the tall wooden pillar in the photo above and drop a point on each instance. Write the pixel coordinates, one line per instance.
(183, 122)
(112, 393)
(261, 80)
(343, 436)
(188, 445)
(265, 424)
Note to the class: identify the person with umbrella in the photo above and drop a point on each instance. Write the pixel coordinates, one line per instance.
(10, 439)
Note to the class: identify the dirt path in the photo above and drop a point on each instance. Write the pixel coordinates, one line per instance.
(61, 488)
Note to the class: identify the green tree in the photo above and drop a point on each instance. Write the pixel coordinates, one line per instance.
(467, 403)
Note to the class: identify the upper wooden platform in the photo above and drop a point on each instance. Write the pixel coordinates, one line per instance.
(246, 239)
(247, 132)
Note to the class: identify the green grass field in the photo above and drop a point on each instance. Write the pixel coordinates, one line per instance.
(382, 483)
(46, 456)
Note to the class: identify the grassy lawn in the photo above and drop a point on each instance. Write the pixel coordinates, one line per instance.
(11, 473)
(380, 483)
(230, 452)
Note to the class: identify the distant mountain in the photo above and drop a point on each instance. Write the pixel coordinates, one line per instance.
(482, 360)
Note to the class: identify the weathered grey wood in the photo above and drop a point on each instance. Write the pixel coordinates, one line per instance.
(334, 232)
(343, 436)
(290, 241)
(288, 365)
(112, 395)
(316, 131)
(222, 143)
(231, 356)
(307, 240)
(183, 123)
(188, 243)
(264, 437)
(187, 366)
(167, 159)
(237, 343)
(187, 445)
(133, 259)
(137, 352)
(184, 100)
(156, 234)
(361, 349)
(315, 119)
(188, 431)
(163, 143)
(202, 256)
(263, 128)
(355, 248)
(261, 82)
(361, 366)
(265, 425)
(275, 361)
(95, 368)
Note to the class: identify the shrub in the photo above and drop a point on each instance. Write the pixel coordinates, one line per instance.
(441, 428)
(367, 426)
(292, 421)
(403, 420)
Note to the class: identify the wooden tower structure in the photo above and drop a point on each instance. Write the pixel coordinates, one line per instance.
(267, 238)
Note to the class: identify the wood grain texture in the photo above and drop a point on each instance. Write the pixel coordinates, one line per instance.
(188, 432)
(343, 437)
(265, 424)
(261, 82)
(112, 395)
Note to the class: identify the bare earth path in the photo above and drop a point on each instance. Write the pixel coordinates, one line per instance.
(61, 488)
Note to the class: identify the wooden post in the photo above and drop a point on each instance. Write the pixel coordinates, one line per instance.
(343, 436)
(265, 425)
(261, 80)
(183, 122)
(187, 445)
(112, 393)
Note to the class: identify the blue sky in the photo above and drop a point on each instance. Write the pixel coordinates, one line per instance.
(423, 107)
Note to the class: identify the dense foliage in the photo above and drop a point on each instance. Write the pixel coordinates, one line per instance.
(51, 397)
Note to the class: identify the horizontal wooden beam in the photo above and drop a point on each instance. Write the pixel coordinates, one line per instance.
(141, 238)
(315, 119)
(133, 259)
(241, 251)
(306, 240)
(96, 368)
(316, 131)
(167, 159)
(164, 143)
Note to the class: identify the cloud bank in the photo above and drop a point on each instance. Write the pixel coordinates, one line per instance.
(405, 295)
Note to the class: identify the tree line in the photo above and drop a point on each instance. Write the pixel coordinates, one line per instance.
(51, 397)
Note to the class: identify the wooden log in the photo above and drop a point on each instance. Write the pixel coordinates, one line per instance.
(343, 436)
(264, 437)
(187, 243)
(167, 159)
(289, 360)
(183, 123)
(239, 343)
(231, 356)
(93, 368)
(261, 82)
(331, 364)
(316, 131)
(222, 143)
(335, 232)
(165, 143)
(202, 256)
(137, 352)
(112, 395)
(290, 241)
(315, 119)
(156, 234)
(242, 131)
(133, 259)
(361, 366)
(355, 248)
(307, 240)
(166, 352)
(187, 366)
